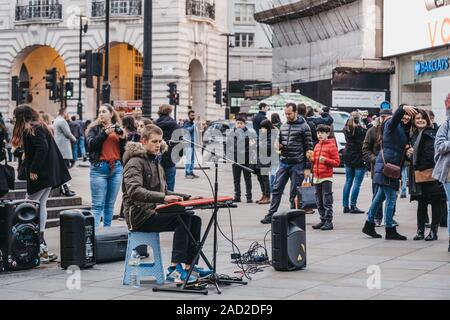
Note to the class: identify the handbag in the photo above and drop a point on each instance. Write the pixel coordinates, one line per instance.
(306, 196)
(390, 170)
(7, 178)
(422, 176)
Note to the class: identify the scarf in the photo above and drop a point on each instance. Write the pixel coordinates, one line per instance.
(416, 147)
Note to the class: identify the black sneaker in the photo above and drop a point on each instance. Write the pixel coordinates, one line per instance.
(237, 200)
(327, 226)
(356, 210)
(319, 225)
(249, 201)
(346, 210)
(267, 220)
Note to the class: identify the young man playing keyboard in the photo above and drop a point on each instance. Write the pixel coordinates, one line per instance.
(144, 187)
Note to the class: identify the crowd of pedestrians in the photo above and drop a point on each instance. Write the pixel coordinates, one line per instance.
(404, 150)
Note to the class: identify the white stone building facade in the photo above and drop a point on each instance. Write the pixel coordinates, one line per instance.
(187, 49)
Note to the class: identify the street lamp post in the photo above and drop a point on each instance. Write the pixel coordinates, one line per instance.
(80, 103)
(228, 111)
(147, 75)
(106, 88)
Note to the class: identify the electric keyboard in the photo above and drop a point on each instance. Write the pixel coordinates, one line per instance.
(200, 204)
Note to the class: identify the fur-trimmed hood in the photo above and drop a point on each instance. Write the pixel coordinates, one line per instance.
(135, 149)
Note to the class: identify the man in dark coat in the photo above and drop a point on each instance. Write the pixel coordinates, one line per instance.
(260, 117)
(168, 125)
(296, 148)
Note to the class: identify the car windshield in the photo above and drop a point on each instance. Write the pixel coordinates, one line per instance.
(340, 119)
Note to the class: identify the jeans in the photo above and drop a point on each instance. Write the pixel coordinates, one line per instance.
(183, 249)
(78, 145)
(447, 191)
(379, 214)
(405, 171)
(324, 199)
(390, 195)
(10, 154)
(41, 197)
(273, 177)
(104, 189)
(294, 172)
(190, 160)
(237, 172)
(353, 178)
(171, 173)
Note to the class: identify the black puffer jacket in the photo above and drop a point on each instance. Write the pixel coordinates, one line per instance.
(353, 152)
(168, 125)
(95, 139)
(295, 141)
(425, 160)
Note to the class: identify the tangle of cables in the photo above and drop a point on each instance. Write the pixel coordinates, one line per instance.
(253, 261)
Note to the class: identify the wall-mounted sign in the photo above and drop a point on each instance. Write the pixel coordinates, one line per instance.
(432, 66)
(358, 99)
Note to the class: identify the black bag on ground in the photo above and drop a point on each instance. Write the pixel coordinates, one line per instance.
(111, 244)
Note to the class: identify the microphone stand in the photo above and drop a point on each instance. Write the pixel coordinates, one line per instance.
(214, 278)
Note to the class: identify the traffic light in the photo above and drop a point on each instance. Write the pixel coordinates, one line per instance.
(24, 96)
(86, 71)
(172, 93)
(177, 99)
(69, 90)
(218, 91)
(225, 98)
(97, 64)
(51, 78)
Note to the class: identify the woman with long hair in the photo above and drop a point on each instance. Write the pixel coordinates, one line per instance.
(142, 123)
(44, 164)
(355, 167)
(422, 186)
(130, 125)
(106, 144)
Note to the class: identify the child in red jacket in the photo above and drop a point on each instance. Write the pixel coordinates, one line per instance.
(325, 158)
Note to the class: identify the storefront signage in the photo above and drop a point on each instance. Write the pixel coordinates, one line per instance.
(432, 66)
(414, 25)
(358, 99)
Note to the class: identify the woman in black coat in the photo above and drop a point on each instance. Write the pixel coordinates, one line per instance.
(423, 188)
(44, 164)
(355, 167)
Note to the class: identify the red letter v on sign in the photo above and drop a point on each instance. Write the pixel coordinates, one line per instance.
(432, 37)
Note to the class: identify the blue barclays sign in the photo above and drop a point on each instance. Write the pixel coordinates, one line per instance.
(432, 66)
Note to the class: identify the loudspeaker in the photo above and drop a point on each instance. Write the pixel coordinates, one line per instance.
(19, 235)
(77, 230)
(289, 240)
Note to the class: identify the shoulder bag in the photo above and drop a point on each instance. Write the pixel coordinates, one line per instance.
(390, 170)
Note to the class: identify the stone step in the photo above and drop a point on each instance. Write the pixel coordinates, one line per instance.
(64, 202)
(20, 185)
(22, 193)
(54, 223)
(54, 213)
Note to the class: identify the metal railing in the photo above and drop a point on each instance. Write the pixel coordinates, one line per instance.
(201, 8)
(39, 12)
(119, 8)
